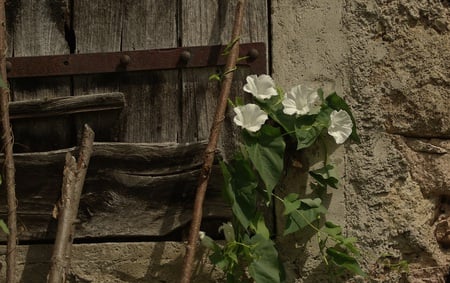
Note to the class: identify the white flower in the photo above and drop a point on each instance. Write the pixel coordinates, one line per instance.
(301, 100)
(341, 126)
(262, 87)
(201, 235)
(250, 117)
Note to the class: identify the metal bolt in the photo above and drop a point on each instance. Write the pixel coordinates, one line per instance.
(185, 56)
(125, 60)
(253, 53)
(8, 66)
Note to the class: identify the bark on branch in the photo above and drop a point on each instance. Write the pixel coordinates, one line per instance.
(9, 169)
(212, 144)
(73, 180)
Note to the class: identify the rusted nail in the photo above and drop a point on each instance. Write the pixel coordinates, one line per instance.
(8, 66)
(253, 53)
(185, 56)
(125, 60)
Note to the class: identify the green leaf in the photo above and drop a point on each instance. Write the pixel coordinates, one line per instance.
(218, 259)
(3, 226)
(337, 103)
(308, 212)
(307, 131)
(259, 226)
(266, 151)
(265, 267)
(322, 176)
(345, 260)
(332, 229)
(240, 185)
(291, 203)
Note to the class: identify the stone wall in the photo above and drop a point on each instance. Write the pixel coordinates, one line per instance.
(391, 61)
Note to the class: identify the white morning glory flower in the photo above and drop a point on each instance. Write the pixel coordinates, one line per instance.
(341, 126)
(301, 100)
(250, 117)
(262, 87)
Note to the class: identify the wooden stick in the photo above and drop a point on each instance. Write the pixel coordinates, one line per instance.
(7, 138)
(212, 144)
(48, 107)
(74, 176)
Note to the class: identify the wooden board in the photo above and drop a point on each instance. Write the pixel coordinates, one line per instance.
(37, 28)
(152, 111)
(209, 23)
(66, 105)
(131, 190)
(98, 28)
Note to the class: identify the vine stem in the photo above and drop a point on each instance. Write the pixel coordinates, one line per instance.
(212, 145)
(7, 138)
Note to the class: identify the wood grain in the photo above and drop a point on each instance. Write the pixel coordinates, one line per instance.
(66, 105)
(38, 29)
(152, 112)
(130, 190)
(153, 97)
(209, 23)
(98, 28)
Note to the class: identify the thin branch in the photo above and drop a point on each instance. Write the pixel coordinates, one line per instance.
(212, 144)
(7, 138)
(73, 181)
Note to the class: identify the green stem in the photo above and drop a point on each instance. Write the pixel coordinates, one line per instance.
(325, 150)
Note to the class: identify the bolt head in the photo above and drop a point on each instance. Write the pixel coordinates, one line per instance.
(125, 60)
(185, 56)
(253, 53)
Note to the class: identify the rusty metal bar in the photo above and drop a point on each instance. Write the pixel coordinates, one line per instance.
(128, 61)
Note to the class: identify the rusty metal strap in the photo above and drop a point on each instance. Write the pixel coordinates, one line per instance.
(128, 61)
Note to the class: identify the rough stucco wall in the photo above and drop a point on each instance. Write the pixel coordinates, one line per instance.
(399, 73)
(391, 61)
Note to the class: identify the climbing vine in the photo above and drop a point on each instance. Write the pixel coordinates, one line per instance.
(302, 116)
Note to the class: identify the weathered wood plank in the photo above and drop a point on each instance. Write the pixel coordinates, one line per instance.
(66, 105)
(130, 190)
(98, 28)
(152, 114)
(38, 29)
(209, 23)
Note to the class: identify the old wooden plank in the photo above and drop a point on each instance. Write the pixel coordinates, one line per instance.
(98, 28)
(152, 114)
(37, 28)
(130, 190)
(208, 23)
(66, 105)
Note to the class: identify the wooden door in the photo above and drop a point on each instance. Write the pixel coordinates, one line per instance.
(142, 176)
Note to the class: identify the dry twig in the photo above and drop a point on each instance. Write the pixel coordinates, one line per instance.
(7, 138)
(73, 181)
(212, 144)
